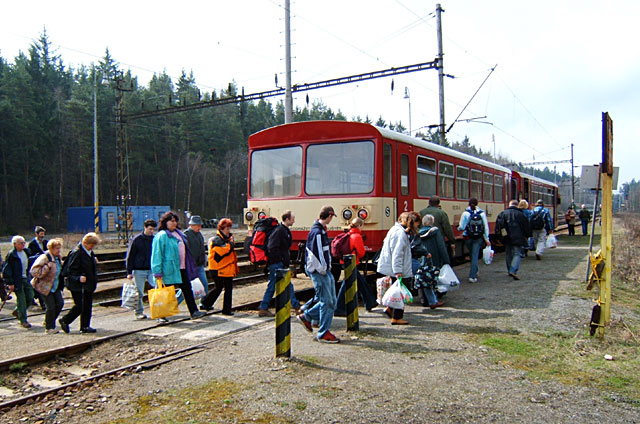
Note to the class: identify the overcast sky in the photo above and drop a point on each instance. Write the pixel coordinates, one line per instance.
(559, 64)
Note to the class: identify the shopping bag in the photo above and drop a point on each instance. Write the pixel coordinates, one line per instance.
(129, 295)
(197, 288)
(448, 278)
(552, 241)
(382, 285)
(487, 255)
(162, 301)
(406, 294)
(393, 297)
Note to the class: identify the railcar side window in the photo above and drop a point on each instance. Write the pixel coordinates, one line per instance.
(476, 184)
(387, 169)
(276, 172)
(497, 188)
(462, 182)
(404, 175)
(445, 179)
(488, 187)
(340, 168)
(426, 178)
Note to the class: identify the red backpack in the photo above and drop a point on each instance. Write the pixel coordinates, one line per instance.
(340, 246)
(258, 254)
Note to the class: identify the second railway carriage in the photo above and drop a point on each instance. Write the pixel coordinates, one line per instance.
(366, 171)
(532, 189)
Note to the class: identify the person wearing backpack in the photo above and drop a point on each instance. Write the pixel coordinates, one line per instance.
(541, 226)
(516, 226)
(355, 246)
(475, 227)
(14, 272)
(47, 269)
(278, 257)
(36, 247)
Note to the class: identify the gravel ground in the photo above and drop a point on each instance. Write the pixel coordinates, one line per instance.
(425, 372)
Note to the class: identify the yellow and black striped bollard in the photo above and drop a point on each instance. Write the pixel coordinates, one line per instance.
(351, 292)
(283, 313)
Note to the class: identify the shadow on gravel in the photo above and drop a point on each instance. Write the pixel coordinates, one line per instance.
(314, 365)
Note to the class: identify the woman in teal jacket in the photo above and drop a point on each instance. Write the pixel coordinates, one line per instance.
(171, 260)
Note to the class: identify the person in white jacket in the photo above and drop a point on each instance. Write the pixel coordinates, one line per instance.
(395, 256)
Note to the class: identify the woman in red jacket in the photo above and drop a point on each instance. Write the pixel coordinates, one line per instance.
(356, 245)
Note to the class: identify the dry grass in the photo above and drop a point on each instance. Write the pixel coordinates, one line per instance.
(626, 252)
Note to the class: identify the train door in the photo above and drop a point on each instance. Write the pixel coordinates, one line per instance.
(525, 190)
(514, 189)
(405, 199)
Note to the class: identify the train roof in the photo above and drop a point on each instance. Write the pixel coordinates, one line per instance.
(320, 130)
(440, 149)
(534, 178)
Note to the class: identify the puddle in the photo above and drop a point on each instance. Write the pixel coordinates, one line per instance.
(41, 381)
(79, 371)
(5, 392)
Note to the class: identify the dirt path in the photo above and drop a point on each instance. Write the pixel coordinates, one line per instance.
(433, 370)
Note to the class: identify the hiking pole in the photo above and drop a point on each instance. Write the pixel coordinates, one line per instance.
(5, 299)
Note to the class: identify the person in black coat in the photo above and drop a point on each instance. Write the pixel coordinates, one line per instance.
(81, 279)
(37, 246)
(513, 221)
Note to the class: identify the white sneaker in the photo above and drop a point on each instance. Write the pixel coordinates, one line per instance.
(473, 280)
(162, 320)
(141, 316)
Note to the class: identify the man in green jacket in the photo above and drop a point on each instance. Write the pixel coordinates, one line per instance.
(441, 221)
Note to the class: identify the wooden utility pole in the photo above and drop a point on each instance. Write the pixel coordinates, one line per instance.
(606, 218)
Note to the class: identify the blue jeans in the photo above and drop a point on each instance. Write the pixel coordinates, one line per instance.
(322, 310)
(271, 288)
(474, 246)
(584, 227)
(513, 258)
(202, 275)
(369, 300)
(140, 276)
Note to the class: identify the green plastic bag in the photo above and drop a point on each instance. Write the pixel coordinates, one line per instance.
(406, 294)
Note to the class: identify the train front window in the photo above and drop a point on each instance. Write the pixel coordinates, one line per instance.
(445, 179)
(426, 182)
(276, 172)
(340, 168)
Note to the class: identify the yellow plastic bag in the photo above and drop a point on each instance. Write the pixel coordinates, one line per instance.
(162, 301)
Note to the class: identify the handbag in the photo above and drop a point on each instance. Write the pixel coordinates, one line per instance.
(41, 286)
(162, 301)
(129, 295)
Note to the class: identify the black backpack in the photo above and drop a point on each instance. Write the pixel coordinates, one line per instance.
(64, 272)
(475, 226)
(537, 220)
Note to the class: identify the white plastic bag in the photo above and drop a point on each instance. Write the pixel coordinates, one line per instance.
(552, 241)
(129, 295)
(487, 255)
(197, 288)
(448, 278)
(393, 297)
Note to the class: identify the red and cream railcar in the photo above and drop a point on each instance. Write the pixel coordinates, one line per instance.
(532, 189)
(366, 171)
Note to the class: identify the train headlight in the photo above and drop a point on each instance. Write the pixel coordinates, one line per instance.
(248, 216)
(347, 214)
(363, 214)
(261, 215)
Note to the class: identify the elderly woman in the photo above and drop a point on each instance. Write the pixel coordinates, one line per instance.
(432, 241)
(81, 279)
(395, 256)
(223, 262)
(15, 276)
(47, 269)
(172, 262)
